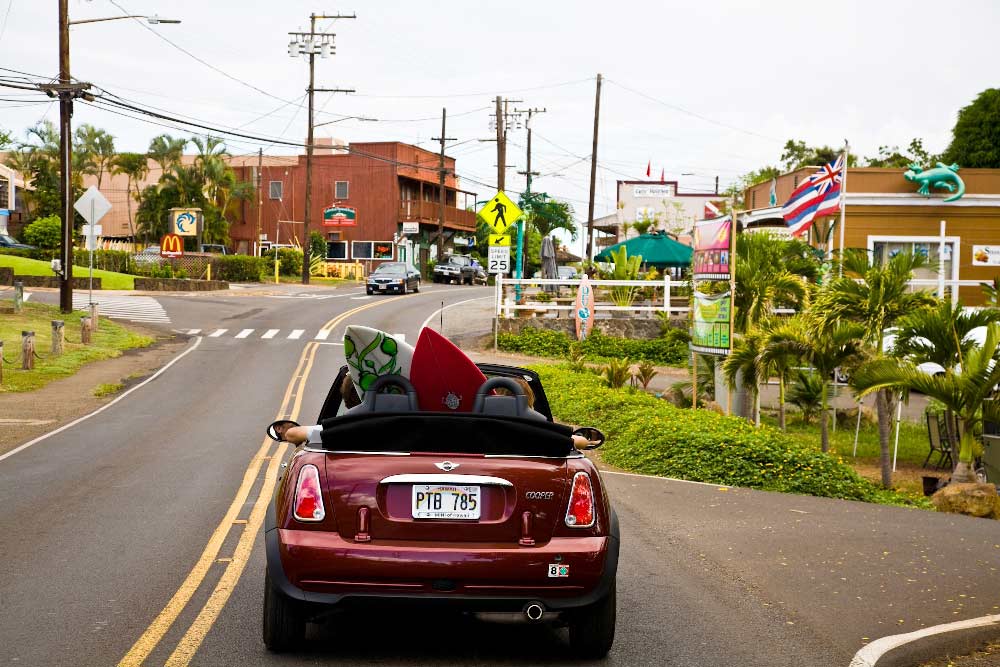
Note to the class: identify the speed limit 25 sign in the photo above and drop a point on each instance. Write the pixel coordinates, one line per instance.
(499, 259)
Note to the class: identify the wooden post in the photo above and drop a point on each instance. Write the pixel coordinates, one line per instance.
(85, 329)
(94, 323)
(18, 295)
(58, 337)
(694, 380)
(27, 350)
(1, 363)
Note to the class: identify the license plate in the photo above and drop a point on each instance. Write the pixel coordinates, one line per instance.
(383, 287)
(445, 501)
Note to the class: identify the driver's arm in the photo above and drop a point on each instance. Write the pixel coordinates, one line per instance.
(298, 435)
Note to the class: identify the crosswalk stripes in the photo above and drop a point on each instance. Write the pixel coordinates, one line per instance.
(269, 334)
(131, 308)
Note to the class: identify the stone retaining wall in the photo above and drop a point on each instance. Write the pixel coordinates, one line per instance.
(53, 282)
(179, 285)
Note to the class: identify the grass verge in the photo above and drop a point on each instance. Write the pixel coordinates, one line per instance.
(33, 267)
(651, 436)
(110, 340)
(108, 389)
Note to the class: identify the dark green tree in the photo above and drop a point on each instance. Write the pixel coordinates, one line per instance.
(797, 154)
(893, 157)
(975, 139)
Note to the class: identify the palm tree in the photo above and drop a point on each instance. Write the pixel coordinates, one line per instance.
(744, 365)
(877, 301)
(837, 347)
(136, 167)
(547, 215)
(166, 151)
(97, 150)
(763, 281)
(965, 391)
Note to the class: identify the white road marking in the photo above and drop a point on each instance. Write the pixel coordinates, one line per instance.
(270, 333)
(244, 333)
(322, 334)
(104, 407)
(192, 332)
(296, 334)
(131, 308)
(340, 344)
(361, 298)
(871, 654)
(217, 333)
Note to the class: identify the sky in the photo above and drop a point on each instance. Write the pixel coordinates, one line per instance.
(701, 90)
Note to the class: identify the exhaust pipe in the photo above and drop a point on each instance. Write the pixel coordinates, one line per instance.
(534, 611)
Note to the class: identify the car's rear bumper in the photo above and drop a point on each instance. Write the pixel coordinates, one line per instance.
(325, 570)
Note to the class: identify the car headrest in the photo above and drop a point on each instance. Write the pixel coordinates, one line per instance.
(503, 406)
(375, 401)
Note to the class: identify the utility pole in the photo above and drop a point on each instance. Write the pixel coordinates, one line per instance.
(442, 172)
(307, 44)
(65, 162)
(260, 197)
(501, 147)
(593, 174)
(519, 259)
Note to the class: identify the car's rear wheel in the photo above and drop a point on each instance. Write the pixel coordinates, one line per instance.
(416, 286)
(284, 624)
(592, 629)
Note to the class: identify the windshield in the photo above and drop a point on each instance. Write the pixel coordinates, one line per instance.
(461, 261)
(390, 269)
(7, 239)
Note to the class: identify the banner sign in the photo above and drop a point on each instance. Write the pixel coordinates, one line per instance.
(712, 244)
(985, 255)
(710, 330)
(340, 216)
(411, 227)
(652, 191)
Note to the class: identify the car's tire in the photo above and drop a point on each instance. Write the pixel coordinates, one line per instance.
(416, 287)
(592, 628)
(369, 292)
(284, 625)
(402, 288)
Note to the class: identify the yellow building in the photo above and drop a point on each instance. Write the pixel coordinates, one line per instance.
(886, 215)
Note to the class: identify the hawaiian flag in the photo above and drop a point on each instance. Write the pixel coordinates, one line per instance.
(818, 195)
(649, 168)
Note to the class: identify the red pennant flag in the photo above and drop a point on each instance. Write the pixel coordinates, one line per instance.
(662, 175)
(649, 167)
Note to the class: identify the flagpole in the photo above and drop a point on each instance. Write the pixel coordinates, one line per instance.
(843, 205)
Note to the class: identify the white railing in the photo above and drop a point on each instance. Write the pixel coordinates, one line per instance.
(505, 303)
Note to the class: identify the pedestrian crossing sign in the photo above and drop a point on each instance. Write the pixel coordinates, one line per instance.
(499, 239)
(500, 212)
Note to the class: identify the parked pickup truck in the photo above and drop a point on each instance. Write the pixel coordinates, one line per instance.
(459, 269)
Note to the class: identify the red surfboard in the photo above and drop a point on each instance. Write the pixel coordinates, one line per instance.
(445, 378)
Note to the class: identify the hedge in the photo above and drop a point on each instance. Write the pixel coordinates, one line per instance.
(291, 261)
(241, 268)
(671, 349)
(651, 436)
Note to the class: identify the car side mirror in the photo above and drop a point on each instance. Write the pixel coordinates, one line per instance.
(276, 429)
(592, 434)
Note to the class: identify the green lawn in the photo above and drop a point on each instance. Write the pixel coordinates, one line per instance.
(109, 341)
(913, 442)
(33, 267)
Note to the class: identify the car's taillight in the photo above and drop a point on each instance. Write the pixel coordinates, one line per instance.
(308, 504)
(580, 512)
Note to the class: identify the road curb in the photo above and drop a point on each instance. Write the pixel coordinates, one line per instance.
(910, 648)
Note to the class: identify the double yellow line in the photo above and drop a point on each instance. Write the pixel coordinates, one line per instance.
(182, 655)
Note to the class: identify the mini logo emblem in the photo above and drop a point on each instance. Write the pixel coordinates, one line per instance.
(447, 466)
(540, 495)
(452, 401)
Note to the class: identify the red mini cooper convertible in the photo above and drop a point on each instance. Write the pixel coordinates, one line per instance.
(487, 511)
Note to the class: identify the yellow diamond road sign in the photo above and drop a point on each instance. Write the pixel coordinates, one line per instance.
(499, 239)
(500, 212)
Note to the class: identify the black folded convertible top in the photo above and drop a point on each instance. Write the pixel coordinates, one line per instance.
(443, 432)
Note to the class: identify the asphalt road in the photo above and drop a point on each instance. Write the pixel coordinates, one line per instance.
(103, 527)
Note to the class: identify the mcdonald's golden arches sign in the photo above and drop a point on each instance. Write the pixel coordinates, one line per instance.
(171, 246)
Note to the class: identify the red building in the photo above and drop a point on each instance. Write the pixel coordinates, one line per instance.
(391, 188)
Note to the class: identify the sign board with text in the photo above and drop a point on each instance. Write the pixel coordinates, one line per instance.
(341, 216)
(710, 331)
(171, 245)
(985, 255)
(498, 260)
(411, 227)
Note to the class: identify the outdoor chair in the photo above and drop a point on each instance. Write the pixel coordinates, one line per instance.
(939, 444)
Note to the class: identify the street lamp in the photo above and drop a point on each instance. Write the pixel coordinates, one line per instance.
(67, 92)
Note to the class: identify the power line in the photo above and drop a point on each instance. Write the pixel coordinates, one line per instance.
(6, 16)
(480, 94)
(692, 113)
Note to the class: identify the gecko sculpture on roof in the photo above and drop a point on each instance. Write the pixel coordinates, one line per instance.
(940, 176)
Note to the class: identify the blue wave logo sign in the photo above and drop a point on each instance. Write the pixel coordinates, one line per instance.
(186, 223)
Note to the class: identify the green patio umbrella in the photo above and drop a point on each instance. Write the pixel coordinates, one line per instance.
(658, 249)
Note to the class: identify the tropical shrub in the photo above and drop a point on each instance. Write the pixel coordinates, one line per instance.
(651, 436)
(806, 393)
(668, 350)
(46, 233)
(616, 373)
(291, 261)
(241, 268)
